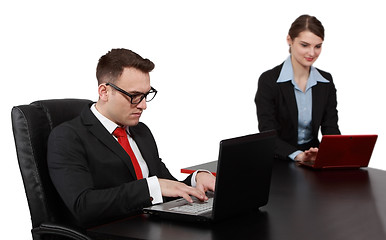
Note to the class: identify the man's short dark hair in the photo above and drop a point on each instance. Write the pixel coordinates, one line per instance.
(111, 65)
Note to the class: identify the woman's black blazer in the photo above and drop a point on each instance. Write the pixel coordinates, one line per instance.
(277, 109)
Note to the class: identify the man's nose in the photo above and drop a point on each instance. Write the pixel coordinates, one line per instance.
(142, 104)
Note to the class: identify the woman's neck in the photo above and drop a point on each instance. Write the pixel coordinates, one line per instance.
(301, 74)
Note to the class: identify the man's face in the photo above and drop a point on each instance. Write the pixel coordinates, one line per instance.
(118, 108)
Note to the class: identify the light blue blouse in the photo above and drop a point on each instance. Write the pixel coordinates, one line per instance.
(303, 100)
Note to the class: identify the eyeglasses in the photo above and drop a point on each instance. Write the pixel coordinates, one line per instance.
(137, 97)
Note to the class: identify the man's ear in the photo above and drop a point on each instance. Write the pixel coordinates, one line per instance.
(103, 92)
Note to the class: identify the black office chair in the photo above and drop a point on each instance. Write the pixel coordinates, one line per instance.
(32, 125)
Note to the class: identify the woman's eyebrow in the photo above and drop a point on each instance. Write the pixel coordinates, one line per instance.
(303, 42)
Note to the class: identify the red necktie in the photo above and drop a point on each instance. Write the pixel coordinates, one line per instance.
(120, 133)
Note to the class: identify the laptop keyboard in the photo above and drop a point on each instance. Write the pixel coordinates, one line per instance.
(195, 207)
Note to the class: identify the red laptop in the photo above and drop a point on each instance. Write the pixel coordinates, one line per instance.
(344, 151)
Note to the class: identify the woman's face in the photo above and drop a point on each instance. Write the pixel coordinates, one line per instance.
(305, 48)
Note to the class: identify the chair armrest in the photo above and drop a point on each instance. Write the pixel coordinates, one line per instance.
(56, 229)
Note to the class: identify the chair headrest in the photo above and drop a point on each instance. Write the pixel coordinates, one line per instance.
(61, 110)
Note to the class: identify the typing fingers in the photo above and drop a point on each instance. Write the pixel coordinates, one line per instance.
(171, 188)
(205, 181)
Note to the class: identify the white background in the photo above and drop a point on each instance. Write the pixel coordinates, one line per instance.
(208, 56)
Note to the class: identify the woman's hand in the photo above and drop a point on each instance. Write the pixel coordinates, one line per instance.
(307, 156)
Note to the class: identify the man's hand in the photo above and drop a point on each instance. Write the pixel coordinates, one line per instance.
(170, 188)
(307, 156)
(205, 181)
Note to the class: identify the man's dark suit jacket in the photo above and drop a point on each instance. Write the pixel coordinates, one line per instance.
(94, 175)
(277, 109)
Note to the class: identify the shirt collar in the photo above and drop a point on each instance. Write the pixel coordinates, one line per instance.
(107, 123)
(287, 73)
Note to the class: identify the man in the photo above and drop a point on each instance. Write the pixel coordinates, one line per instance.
(98, 179)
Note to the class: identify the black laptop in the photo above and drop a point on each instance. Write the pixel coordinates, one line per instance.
(243, 180)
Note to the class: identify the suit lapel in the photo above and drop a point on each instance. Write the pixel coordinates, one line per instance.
(318, 97)
(143, 148)
(100, 132)
(288, 92)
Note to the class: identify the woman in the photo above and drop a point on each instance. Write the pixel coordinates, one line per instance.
(296, 98)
